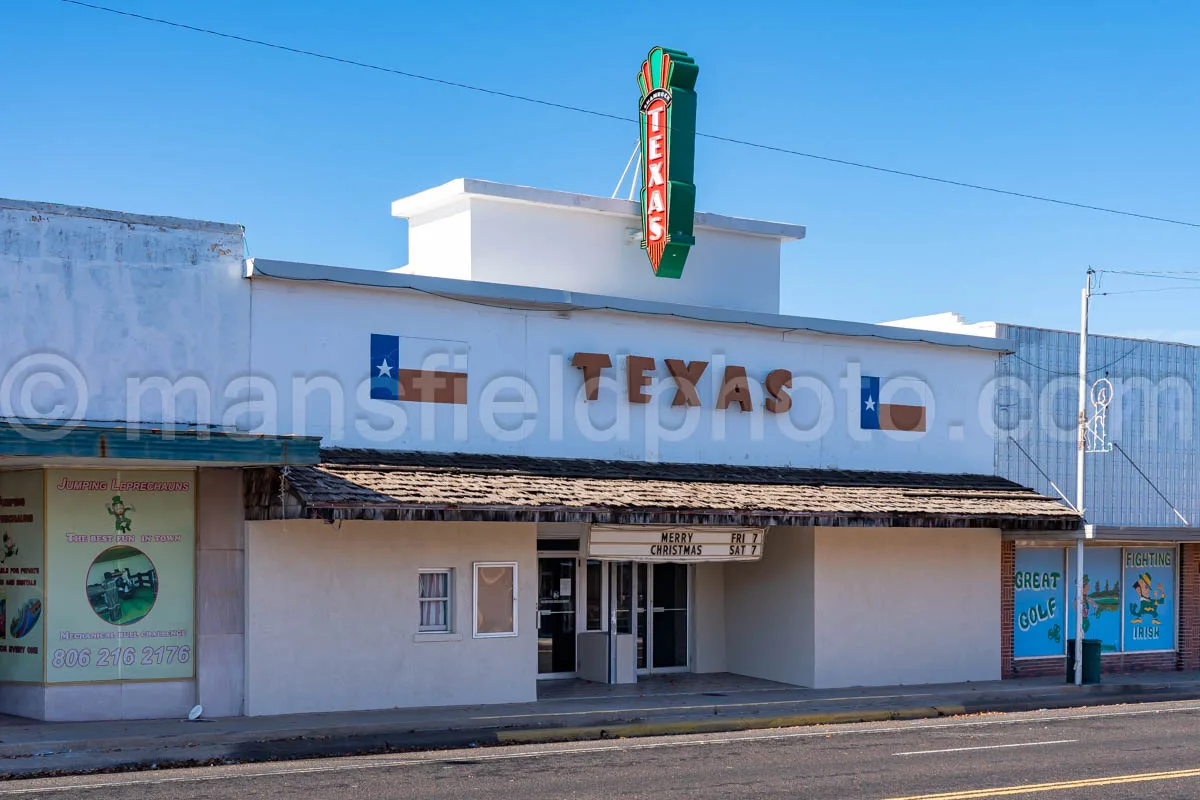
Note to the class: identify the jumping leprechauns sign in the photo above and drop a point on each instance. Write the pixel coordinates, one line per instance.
(120, 551)
(668, 130)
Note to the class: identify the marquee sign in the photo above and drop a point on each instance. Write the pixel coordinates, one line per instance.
(668, 131)
(680, 544)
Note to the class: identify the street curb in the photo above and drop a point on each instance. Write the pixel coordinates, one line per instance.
(719, 725)
(1100, 696)
(626, 728)
(133, 753)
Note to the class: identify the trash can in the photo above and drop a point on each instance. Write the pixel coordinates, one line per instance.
(1091, 660)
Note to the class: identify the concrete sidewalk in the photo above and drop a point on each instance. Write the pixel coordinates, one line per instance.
(567, 710)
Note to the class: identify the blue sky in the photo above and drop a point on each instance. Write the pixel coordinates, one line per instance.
(1092, 102)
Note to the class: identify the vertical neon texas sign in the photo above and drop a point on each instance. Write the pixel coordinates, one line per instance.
(668, 130)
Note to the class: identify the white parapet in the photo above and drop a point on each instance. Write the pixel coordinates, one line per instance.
(500, 233)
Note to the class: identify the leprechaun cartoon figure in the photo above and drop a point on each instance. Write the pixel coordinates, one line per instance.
(120, 514)
(1089, 605)
(9, 548)
(1150, 600)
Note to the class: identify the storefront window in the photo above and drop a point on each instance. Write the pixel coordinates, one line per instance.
(22, 554)
(495, 600)
(623, 602)
(1129, 599)
(1149, 585)
(595, 596)
(1039, 584)
(120, 576)
(1101, 596)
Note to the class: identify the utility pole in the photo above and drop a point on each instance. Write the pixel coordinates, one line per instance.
(1082, 449)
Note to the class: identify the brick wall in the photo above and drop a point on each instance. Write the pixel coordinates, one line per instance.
(1117, 663)
(1187, 658)
(1008, 565)
(1110, 664)
(1189, 607)
(1037, 667)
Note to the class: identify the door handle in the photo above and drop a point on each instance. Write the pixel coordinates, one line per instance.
(658, 609)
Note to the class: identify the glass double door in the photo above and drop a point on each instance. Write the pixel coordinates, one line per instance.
(651, 602)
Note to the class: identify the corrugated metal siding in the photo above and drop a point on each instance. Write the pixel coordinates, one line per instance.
(1153, 417)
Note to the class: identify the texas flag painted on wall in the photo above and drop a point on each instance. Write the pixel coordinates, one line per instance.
(877, 416)
(418, 370)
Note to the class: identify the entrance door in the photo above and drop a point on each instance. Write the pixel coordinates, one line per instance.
(556, 616)
(643, 619)
(669, 617)
(662, 617)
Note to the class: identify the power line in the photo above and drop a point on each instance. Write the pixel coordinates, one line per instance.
(1140, 291)
(1155, 273)
(1176, 275)
(1101, 368)
(619, 118)
(351, 62)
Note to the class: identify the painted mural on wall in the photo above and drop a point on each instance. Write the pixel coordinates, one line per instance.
(1101, 596)
(1039, 582)
(876, 415)
(22, 576)
(1149, 599)
(1129, 599)
(409, 369)
(121, 548)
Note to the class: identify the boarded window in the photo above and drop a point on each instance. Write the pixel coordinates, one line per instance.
(496, 599)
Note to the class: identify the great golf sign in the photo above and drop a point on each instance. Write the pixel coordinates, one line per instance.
(668, 130)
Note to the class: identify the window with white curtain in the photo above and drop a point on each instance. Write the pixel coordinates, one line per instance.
(433, 591)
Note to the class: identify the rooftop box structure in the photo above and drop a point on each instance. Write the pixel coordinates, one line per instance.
(498, 233)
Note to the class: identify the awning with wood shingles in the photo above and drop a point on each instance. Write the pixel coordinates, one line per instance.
(388, 485)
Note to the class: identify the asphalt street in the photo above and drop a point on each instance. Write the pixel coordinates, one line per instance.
(1135, 751)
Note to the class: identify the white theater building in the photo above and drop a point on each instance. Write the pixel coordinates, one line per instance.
(537, 460)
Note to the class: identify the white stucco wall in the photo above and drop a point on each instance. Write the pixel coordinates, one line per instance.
(582, 243)
(332, 614)
(220, 592)
(905, 605)
(769, 610)
(98, 299)
(440, 246)
(514, 356)
(559, 248)
(95, 298)
(84, 702)
(134, 700)
(708, 618)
